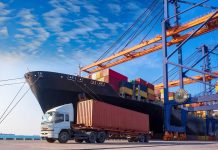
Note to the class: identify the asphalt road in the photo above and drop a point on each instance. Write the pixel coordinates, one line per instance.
(109, 145)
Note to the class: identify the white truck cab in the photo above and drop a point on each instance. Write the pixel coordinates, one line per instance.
(56, 122)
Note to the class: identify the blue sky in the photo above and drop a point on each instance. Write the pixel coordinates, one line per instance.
(58, 35)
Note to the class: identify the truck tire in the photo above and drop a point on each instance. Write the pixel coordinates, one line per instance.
(141, 138)
(147, 137)
(50, 140)
(63, 137)
(132, 139)
(91, 137)
(78, 140)
(101, 137)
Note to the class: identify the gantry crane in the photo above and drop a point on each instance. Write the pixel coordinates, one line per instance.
(190, 80)
(131, 53)
(179, 35)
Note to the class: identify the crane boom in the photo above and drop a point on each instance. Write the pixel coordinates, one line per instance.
(129, 54)
(186, 81)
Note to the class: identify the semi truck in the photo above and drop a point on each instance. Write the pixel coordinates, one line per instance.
(95, 122)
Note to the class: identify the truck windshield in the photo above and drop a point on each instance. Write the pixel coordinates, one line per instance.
(48, 117)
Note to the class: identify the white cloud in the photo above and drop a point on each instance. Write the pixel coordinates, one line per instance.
(91, 8)
(26, 31)
(102, 35)
(132, 6)
(115, 8)
(19, 36)
(113, 26)
(4, 12)
(32, 35)
(54, 19)
(27, 18)
(4, 32)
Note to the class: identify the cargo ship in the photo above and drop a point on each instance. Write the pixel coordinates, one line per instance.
(54, 89)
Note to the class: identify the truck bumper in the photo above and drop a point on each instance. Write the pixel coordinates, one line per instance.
(49, 134)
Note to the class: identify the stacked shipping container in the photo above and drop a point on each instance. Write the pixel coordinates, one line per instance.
(126, 89)
(171, 95)
(145, 89)
(109, 76)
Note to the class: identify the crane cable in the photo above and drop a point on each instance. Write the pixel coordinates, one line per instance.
(11, 83)
(12, 100)
(125, 33)
(11, 79)
(174, 69)
(133, 36)
(136, 33)
(19, 100)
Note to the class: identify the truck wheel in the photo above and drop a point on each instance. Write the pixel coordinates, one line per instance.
(101, 137)
(132, 139)
(91, 137)
(63, 137)
(50, 140)
(146, 138)
(78, 140)
(141, 138)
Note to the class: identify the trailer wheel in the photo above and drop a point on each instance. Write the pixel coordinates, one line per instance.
(147, 138)
(91, 137)
(78, 140)
(50, 140)
(132, 139)
(63, 137)
(101, 137)
(141, 138)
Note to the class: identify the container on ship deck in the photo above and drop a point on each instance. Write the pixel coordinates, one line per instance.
(143, 88)
(157, 92)
(114, 82)
(141, 81)
(150, 91)
(151, 97)
(151, 86)
(114, 74)
(126, 84)
(142, 94)
(125, 90)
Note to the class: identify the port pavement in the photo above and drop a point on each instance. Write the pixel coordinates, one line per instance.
(109, 145)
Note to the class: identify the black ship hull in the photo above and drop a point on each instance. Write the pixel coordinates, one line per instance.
(55, 89)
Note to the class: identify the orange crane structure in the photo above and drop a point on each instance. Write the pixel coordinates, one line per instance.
(139, 50)
(191, 80)
(176, 35)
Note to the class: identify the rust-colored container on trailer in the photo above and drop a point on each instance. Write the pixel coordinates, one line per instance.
(96, 114)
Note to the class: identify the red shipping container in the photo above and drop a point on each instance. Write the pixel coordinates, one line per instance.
(114, 74)
(151, 97)
(151, 86)
(115, 83)
(96, 114)
(141, 81)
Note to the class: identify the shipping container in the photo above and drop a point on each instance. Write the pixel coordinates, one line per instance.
(151, 91)
(114, 74)
(143, 88)
(96, 114)
(125, 90)
(151, 97)
(142, 94)
(126, 84)
(141, 81)
(151, 86)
